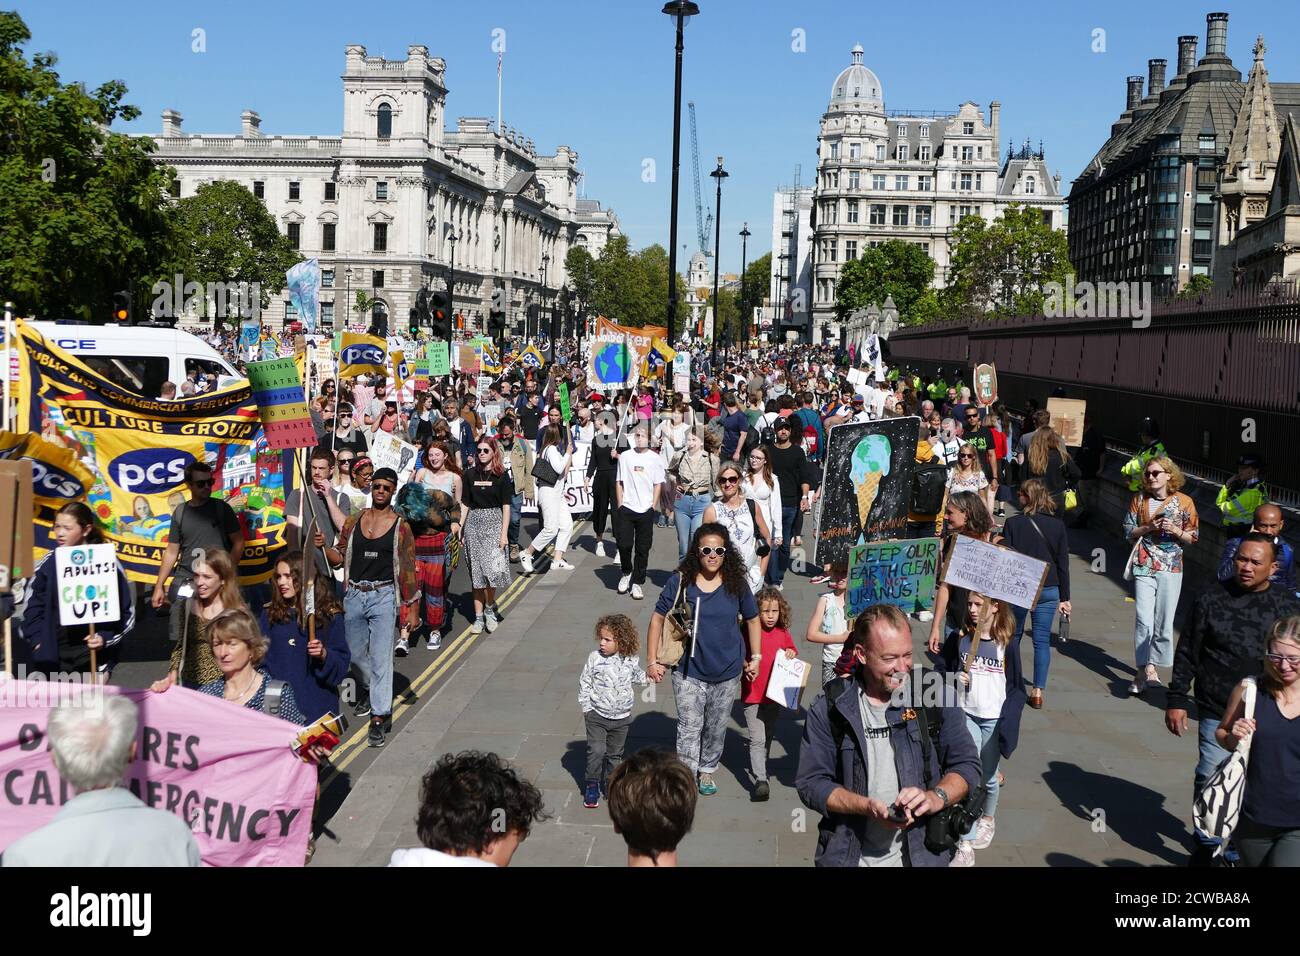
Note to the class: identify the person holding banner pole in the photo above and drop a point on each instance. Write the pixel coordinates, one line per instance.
(307, 647)
(53, 648)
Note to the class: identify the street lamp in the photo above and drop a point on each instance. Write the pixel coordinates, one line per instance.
(718, 174)
(541, 294)
(744, 258)
(453, 238)
(347, 298)
(681, 11)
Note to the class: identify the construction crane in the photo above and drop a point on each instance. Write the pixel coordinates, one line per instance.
(703, 224)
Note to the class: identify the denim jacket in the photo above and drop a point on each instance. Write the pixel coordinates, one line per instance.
(822, 770)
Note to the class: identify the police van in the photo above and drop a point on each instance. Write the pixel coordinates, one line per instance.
(139, 357)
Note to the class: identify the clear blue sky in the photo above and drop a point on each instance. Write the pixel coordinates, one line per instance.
(597, 76)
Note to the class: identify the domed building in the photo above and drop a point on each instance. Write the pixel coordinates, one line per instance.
(907, 174)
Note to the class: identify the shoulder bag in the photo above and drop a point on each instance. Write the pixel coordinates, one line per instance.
(1218, 805)
(677, 631)
(544, 473)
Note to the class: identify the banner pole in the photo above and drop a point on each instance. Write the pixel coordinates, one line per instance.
(94, 660)
(8, 361)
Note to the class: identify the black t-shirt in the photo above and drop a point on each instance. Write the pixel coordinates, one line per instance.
(982, 439)
(529, 419)
(480, 489)
(210, 525)
(789, 465)
(357, 441)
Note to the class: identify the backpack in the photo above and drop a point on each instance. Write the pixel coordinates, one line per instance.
(810, 448)
(929, 481)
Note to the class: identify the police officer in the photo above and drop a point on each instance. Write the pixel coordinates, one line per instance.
(1242, 495)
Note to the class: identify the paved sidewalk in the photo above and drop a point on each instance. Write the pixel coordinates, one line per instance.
(1097, 780)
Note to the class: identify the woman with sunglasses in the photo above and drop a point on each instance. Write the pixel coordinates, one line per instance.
(1160, 522)
(761, 486)
(706, 679)
(484, 530)
(744, 522)
(967, 475)
(1268, 831)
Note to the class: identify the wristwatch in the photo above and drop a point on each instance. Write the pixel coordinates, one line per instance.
(943, 795)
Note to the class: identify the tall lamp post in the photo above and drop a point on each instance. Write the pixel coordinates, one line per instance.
(541, 294)
(744, 259)
(453, 238)
(347, 299)
(718, 174)
(681, 11)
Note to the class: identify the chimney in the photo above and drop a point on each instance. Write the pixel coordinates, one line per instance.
(1216, 35)
(1156, 71)
(171, 123)
(995, 113)
(1134, 92)
(250, 124)
(1187, 54)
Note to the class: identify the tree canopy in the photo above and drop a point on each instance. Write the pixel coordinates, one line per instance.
(1002, 267)
(893, 268)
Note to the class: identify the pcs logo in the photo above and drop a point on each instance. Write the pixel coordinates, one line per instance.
(363, 354)
(51, 482)
(149, 471)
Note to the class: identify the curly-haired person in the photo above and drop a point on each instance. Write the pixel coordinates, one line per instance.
(606, 696)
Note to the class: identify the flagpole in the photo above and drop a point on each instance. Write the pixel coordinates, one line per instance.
(9, 344)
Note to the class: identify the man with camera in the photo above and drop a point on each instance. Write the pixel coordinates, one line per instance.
(888, 778)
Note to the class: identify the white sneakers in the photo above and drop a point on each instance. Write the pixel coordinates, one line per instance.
(623, 583)
(561, 565)
(600, 549)
(965, 855)
(984, 830)
(637, 593)
(925, 616)
(526, 562)
(490, 619)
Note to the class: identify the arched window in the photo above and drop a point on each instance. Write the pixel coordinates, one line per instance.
(384, 126)
(1029, 185)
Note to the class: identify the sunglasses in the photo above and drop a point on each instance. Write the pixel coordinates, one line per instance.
(382, 486)
(1154, 474)
(965, 456)
(203, 482)
(345, 461)
(728, 481)
(712, 552)
(484, 451)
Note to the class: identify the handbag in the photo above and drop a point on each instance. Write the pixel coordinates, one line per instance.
(1218, 805)
(677, 631)
(544, 474)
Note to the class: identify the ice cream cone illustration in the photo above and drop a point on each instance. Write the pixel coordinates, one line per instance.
(870, 463)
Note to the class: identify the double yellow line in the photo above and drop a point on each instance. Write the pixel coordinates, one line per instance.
(440, 667)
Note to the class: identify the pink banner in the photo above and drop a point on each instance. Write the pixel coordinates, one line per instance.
(227, 770)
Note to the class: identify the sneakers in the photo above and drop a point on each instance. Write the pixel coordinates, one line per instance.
(434, 642)
(514, 554)
(624, 583)
(820, 579)
(600, 549)
(1138, 686)
(501, 618)
(591, 795)
(477, 626)
(925, 616)
(403, 647)
(561, 565)
(526, 562)
(362, 707)
(985, 827)
(761, 791)
(965, 855)
(637, 593)
(707, 787)
(376, 735)
(490, 619)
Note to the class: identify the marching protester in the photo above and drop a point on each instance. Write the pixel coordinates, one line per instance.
(376, 551)
(967, 475)
(346, 434)
(696, 477)
(761, 713)
(517, 459)
(652, 806)
(602, 473)
(484, 530)
(51, 647)
(638, 487)
(240, 650)
(216, 590)
(671, 438)
(328, 510)
(104, 824)
(790, 469)
(711, 583)
(606, 697)
(1268, 520)
(1050, 462)
(745, 524)
(964, 514)
(557, 521)
(829, 623)
(432, 514)
(307, 651)
(875, 793)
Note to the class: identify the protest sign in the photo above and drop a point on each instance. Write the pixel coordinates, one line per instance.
(639, 339)
(468, 359)
(420, 370)
(363, 355)
(277, 389)
(565, 409)
(490, 415)
(1067, 419)
(867, 485)
(986, 385)
(17, 539)
(995, 572)
(577, 486)
(86, 576)
(439, 359)
(901, 573)
(387, 451)
(789, 677)
(227, 771)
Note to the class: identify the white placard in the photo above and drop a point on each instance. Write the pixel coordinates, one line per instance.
(857, 376)
(387, 451)
(789, 675)
(995, 572)
(87, 583)
(577, 486)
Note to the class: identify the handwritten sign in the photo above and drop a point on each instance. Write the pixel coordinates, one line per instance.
(1067, 419)
(789, 677)
(901, 573)
(87, 583)
(577, 486)
(439, 359)
(986, 384)
(389, 452)
(565, 409)
(996, 572)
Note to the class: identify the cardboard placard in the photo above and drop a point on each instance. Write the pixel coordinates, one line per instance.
(439, 359)
(901, 573)
(17, 537)
(995, 572)
(86, 575)
(389, 452)
(1067, 419)
(565, 409)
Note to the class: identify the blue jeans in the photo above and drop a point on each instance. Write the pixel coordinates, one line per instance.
(1211, 755)
(690, 515)
(1156, 596)
(370, 618)
(780, 562)
(1043, 613)
(516, 516)
(981, 730)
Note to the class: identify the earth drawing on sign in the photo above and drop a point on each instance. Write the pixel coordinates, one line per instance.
(612, 364)
(870, 464)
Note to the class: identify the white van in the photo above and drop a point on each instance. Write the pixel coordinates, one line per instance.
(138, 357)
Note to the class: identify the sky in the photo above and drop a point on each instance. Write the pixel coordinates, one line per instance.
(598, 76)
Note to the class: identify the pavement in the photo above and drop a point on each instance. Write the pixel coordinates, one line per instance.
(1096, 781)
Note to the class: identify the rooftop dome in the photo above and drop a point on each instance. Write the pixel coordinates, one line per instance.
(857, 85)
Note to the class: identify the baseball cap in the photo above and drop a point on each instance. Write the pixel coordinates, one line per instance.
(1251, 461)
(782, 423)
(385, 474)
(859, 400)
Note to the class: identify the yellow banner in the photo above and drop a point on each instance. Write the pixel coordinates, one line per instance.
(362, 355)
(639, 340)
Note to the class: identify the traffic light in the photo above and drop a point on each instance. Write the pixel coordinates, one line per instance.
(496, 322)
(415, 323)
(440, 314)
(533, 323)
(122, 308)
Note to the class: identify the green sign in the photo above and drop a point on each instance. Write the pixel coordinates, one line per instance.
(901, 573)
(439, 359)
(565, 408)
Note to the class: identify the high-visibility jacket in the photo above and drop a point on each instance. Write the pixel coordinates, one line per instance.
(938, 390)
(1132, 469)
(1237, 502)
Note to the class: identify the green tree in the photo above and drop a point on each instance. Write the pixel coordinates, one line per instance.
(363, 306)
(756, 283)
(931, 306)
(581, 269)
(82, 211)
(1003, 266)
(894, 268)
(727, 316)
(224, 234)
(1196, 286)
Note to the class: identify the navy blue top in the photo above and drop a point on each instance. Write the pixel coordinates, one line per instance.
(315, 682)
(719, 653)
(1273, 771)
(734, 425)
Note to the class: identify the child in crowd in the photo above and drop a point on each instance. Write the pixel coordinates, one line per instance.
(829, 625)
(993, 696)
(652, 806)
(761, 713)
(605, 695)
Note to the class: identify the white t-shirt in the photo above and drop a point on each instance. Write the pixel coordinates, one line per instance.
(423, 856)
(988, 679)
(639, 472)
